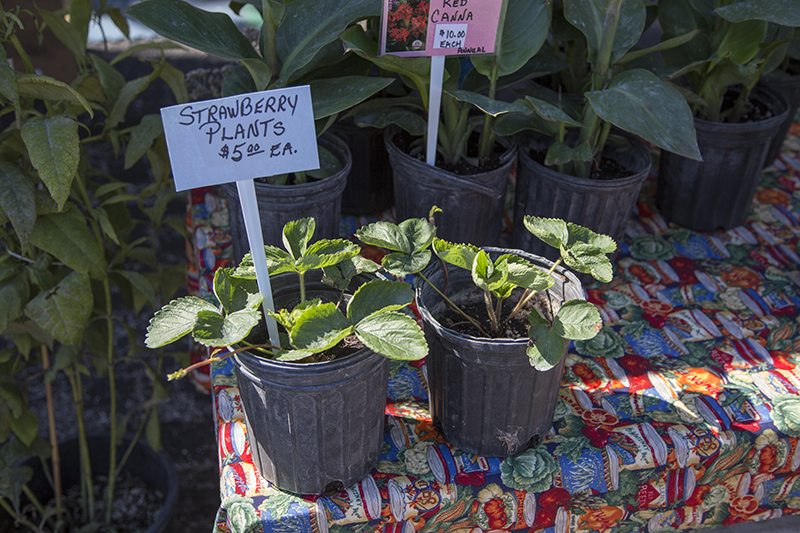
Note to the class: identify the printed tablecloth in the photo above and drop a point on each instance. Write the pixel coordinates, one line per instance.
(683, 413)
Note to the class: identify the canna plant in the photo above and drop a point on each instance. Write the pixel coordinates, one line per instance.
(410, 244)
(593, 51)
(738, 43)
(523, 30)
(297, 44)
(313, 326)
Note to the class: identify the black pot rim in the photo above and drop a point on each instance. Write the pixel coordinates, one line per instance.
(506, 158)
(712, 128)
(588, 183)
(461, 337)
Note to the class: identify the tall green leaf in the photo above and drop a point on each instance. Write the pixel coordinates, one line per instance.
(637, 101)
(214, 33)
(64, 310)
(590, 17)
(309, 25)
(334, 95)
(67, 237)
(143, 135)
(18, 200)
(53, 147)
(783, 12)
(526, 25)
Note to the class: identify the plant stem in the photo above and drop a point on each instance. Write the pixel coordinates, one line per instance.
(453, 305)
(214, 359)
(302, 277)
(269, 48)
(487, 298)
(51, 421)
(528, 294)
(112, 388)
(487, 133)
(21, 519)
(87, 502)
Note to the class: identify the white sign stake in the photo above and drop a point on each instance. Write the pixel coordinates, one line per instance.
(434, 107)
(252, 223)
(239, 138)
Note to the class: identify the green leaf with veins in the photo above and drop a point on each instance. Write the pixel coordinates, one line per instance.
(377, 297)
(577, 320)
(320, 327)
(460, 255)
(552, 231)
(487, 275)
(235, 294)
(525, 274)
(393, 335)
(296, 236)
(175, 320)
(212, 329)
(409, 241)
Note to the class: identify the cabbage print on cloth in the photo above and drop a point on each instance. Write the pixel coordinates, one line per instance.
(682, 414)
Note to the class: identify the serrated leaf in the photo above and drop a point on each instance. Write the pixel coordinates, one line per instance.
(340, 274)
(139, 285)
(523, 273)
(402, 264)
(327, 253)
(293, 355)
(460, 255)
(287, 318)
(376, 297)
(18, 200)
(385, 235)
(579, 234)
(319, 328)
(484, 274)
(577, 320)
(143, 135)
(63, 311)
(418, 232)
(547, 348)
(211, 329)
(588, 260)
(14, 293)
(53, 147)
(175, 320)
(277, 261)
(67, 237)
(9, 86)
(552, 231)
(393, 335)
(234, 293)
(25, 427)
(46, 88)
(296, 235)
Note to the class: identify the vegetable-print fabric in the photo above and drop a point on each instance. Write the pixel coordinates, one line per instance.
(682, 414)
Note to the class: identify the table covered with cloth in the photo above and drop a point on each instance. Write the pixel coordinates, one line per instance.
(682, 414)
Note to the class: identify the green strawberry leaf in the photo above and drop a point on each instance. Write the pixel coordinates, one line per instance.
(175, 320)
(394, 335)
(378, 296)
(552, 231)
(577, 320)
(319, 328)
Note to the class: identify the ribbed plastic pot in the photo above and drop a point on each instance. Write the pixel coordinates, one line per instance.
(369, 186)
(155, 469)
(472, 205)
(717, 193)
(484, 394)
(604, 206)
(279, 204)
(789, 85)
(313, 428)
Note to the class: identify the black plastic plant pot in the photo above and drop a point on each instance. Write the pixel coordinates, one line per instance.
(313, 428)
(484, 394)
(369, 186)
(717, 193)
(472, 205)
(153, 468)
(604, 206)
(789, 85)
(279, 204)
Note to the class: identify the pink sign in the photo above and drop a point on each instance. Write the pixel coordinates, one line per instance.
(439, 27)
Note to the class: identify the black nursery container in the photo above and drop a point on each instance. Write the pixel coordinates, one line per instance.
(789, 85)
(279, 204)
(313, 428)
(604, 206)
(717, 193)
(472, 205)
(484, 394)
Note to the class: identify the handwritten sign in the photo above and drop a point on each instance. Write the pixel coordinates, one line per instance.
(439, 27)
(241, 137)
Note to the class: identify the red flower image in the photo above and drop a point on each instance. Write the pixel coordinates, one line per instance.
(407, 25)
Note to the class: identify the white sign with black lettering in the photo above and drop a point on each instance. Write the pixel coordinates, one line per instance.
(241, 137)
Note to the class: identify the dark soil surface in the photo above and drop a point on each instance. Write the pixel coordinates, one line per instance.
(517, 328)
(413, 146)
(608, 169)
